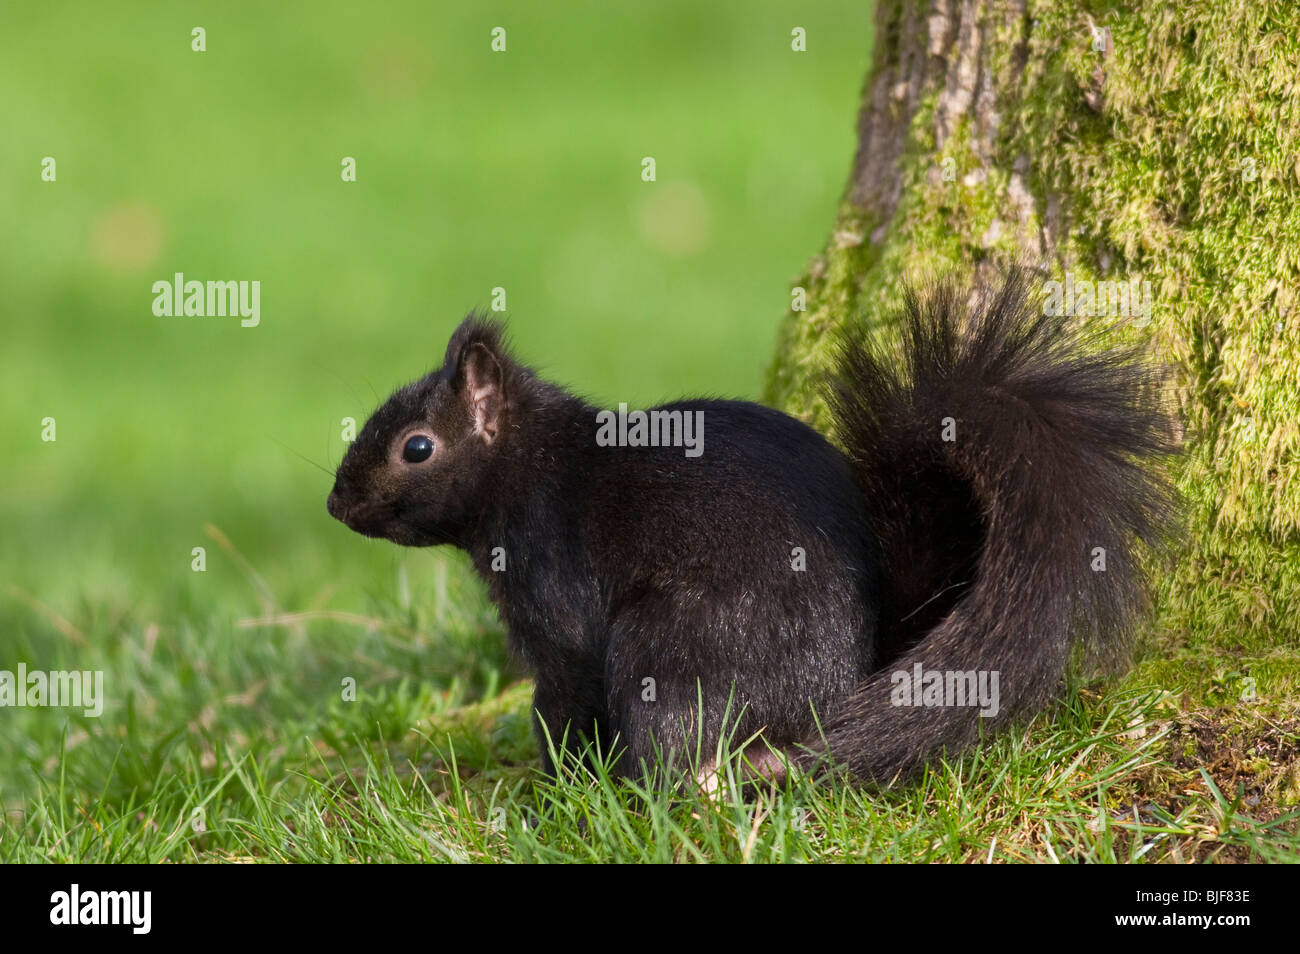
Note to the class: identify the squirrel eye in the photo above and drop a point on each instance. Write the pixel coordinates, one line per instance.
(417, 449)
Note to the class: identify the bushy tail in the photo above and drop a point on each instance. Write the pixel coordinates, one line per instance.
(1010, 468)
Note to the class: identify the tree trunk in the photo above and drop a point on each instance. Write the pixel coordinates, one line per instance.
(1156, 143)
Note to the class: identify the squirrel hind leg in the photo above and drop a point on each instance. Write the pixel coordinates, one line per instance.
(760, 763)
(763, 763)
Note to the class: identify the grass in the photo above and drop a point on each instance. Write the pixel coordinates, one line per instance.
(223, 755)
(222, 752)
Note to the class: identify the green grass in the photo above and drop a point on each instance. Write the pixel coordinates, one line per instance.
(408, 774)
(227, 735)
(235, 743)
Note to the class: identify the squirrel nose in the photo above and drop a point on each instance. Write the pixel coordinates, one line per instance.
(335, 505)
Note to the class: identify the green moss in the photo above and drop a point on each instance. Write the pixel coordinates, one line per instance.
(1172, 155)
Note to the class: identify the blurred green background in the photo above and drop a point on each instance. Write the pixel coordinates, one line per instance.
(475, 169)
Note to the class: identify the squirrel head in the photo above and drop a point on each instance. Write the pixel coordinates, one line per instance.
(418, 470)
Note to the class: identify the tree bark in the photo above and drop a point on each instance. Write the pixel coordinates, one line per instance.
(1155, 143)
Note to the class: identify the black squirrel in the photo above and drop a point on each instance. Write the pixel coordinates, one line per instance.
(984, 521)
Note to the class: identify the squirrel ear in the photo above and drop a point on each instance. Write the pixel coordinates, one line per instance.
(480, 372)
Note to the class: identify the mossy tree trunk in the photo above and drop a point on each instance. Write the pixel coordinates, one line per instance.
(1159, 142)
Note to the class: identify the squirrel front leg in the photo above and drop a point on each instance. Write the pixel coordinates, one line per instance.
(569, 714)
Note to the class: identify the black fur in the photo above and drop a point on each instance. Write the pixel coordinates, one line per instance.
(1058, 451)
(624, 564)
